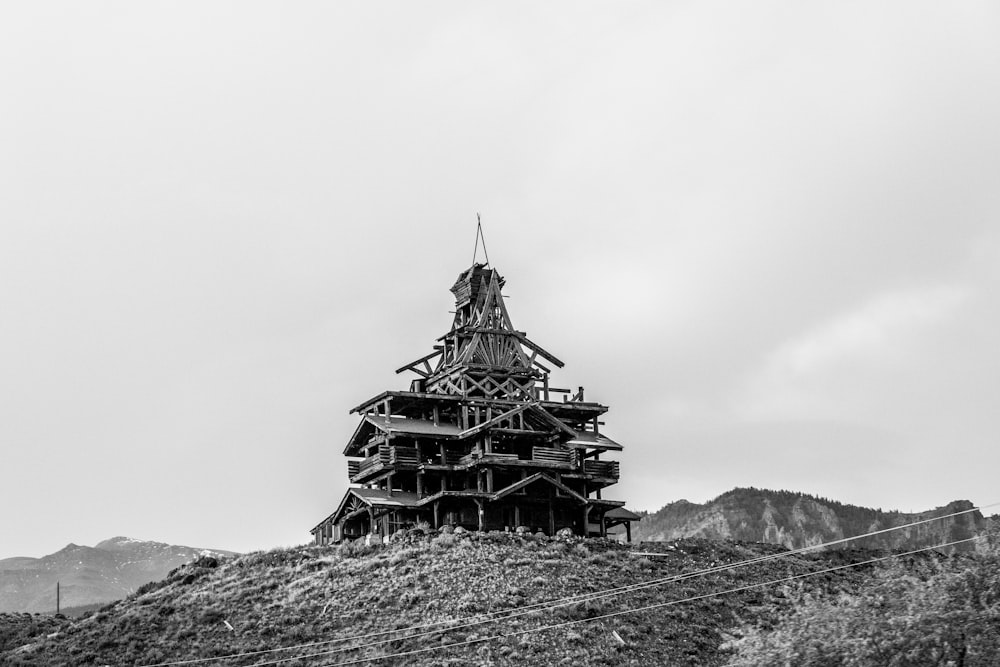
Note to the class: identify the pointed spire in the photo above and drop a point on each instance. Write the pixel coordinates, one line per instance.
(480, 236)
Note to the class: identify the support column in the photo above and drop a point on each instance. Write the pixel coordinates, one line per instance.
(552, 518)
(437, 514)
(628, 532)
(517, 516)
(479, 506)
(586, 520)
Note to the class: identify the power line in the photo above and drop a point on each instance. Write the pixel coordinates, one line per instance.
(659, 605)
(542, 606)
(583, 597)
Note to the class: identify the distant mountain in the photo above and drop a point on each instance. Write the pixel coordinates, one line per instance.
(796, 520)
(107, 571)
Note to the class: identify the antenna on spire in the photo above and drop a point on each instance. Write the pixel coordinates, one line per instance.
(479, 235)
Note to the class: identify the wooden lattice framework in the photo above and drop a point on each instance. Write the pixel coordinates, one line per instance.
(478, 440)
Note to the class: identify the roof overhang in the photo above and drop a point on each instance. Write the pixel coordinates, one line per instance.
(413, 396)
(591, 440)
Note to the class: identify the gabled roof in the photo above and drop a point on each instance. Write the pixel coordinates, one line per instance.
(395, 424)
(540, 415)
(372, 498)
(621, 514)
(361, 434)
(538, 477)
(382, 498)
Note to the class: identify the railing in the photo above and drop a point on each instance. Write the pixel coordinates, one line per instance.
(500, 456)
(373, 462)
(404, 455)
(385, 455)
(601, 468)
(450, 458)
(553, 455)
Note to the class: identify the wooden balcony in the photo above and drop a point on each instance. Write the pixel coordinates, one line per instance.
(541, 457)
(500, 457)
(602, 468)
(386, 456)
(402, 455)
(553, 455)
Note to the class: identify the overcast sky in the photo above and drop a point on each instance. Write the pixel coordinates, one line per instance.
(766, 234)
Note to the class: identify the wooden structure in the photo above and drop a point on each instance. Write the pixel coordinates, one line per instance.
(481, 439)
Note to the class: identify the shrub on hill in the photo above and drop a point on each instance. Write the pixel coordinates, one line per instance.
(19, 629)
(911, 615)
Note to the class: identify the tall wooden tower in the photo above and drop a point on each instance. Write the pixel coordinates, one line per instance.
(481, 439)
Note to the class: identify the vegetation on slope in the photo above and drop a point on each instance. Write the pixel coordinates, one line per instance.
(315, 594)
(17, 630)
(928, 613)
(288, 597)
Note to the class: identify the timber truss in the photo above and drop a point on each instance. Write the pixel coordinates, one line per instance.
(483, 354)
(477, 441)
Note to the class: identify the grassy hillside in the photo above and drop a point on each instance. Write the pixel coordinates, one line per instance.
(310, 594)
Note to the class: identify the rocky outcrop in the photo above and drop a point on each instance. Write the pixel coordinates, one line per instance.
(798, 520)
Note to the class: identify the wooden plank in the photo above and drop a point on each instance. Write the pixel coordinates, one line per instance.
(422, 360)
(542, 351)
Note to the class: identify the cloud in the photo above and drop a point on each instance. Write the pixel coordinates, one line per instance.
(800, 376)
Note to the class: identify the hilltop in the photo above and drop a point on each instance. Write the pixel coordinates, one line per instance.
(107, 571)
(311, 594)
(795, 520)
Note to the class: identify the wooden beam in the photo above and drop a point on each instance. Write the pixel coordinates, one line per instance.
(540, 350)
(422, 360)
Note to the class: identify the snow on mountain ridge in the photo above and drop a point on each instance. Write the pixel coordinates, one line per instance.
(87, 575)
